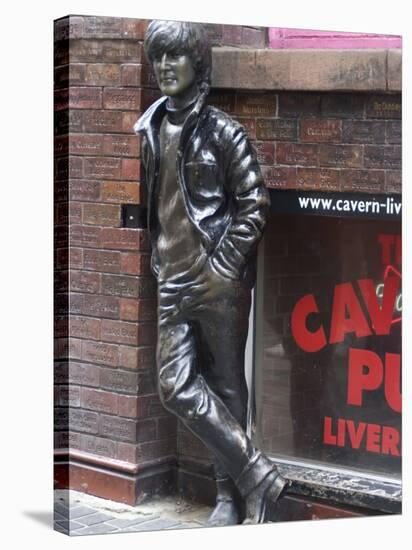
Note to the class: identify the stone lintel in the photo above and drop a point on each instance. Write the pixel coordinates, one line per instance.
(377, 70)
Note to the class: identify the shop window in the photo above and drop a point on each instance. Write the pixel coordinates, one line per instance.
(327, 372)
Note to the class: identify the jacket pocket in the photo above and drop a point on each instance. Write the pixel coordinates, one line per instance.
(202, 181)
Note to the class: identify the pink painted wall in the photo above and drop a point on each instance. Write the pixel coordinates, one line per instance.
(298, 38)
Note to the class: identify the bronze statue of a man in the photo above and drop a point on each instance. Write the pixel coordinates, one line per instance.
(207, 206)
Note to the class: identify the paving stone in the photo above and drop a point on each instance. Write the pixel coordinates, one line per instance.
(153, 525)
(185, 525)
(95, 518)
(80, 511)
(61, 509)
(96, 529)
(123, 523)
(69, 525)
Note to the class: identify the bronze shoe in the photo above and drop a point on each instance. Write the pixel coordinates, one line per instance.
(265, 495)
(226, 511)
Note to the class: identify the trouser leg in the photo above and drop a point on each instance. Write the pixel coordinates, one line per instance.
(184, 390)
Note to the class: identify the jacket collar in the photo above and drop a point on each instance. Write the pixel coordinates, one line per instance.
(155, 112)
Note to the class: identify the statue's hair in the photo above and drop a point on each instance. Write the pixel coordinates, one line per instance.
(180, 38)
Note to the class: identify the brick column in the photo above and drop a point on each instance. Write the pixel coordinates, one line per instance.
(113, 437)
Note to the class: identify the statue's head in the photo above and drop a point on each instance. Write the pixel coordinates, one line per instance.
(180, 56)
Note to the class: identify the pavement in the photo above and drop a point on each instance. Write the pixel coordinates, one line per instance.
(77, 513)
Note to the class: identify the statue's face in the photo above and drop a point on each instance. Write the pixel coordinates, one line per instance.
(175, 73)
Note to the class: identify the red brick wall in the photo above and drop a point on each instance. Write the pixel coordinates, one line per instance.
(105, 310)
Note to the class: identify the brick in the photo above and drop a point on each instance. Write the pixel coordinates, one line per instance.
(393, 181)
(98, 446)
(87, 144)
(126, 452)
(129, 406)
(68, 168)
(102, 27)
(279, 177)
(84, 374)
(119, 380)
(295, 104)
(367, 181)
(112, 51)
(63, 259)
(61, 418)
(256, 104)
(61, 326)
(148, 97)
(146, 382)
(131, 75)
(100, 121)
(341, 156)
(128, 357)
(323, 130)
(84, 281)
(148, 77)
(122, 98)
(166, 427)
(102, 74)
(121, 239)
(318, 178)
(119, 429)
(101, 353)
(363, 131)
(382, 156)
(101, 306)
(146, 430)
(85, 98)
(119, 332)
(68, 121)
(155, 449)
(265, 152)
(134, 28)
(225, 101)
(83, 421)
(121, 146)
(297, 153)
(394, 132)
(103, 168)
(121, 192)
(130, 169)
(137, 310)
(384, 106)
(129, 309)
(101, 214)
(146, 334)
(231, 35)
(135, 264)
(84, 327)
(99, 400)
(61, 146)
(68, 348)
(253, 38)
(84, 190)
(214, 33)
(342, 105)
(101, 260)
(61, 281)
(61, 99)
(68, 27)
(69, 396)
(84, 236)
(61, 53)
(276, 129)
(128, 287)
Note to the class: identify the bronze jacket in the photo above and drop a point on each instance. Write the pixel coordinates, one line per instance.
(222, 185)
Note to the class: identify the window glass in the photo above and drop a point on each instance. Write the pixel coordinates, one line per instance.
(328, 342)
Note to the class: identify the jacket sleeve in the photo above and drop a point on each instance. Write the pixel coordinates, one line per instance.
(251, 205)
